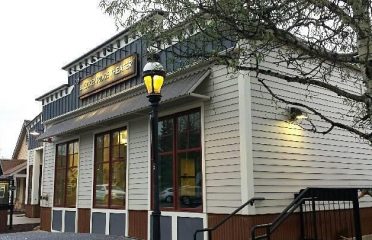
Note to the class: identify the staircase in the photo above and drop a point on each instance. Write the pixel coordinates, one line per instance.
(325, 214)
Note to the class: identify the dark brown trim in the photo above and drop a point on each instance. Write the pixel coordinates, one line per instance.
(32, 211)
(109, 206)
(45, 218)
(65, 168)
(137, 225)
(175, 162)
(83, 220)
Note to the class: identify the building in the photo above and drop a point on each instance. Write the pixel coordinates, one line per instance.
(16, 168)
(221, 142)
(34, 167)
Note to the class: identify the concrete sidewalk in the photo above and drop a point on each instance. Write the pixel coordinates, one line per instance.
(22, 219)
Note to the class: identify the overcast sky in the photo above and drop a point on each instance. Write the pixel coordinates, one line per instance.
(37, 38)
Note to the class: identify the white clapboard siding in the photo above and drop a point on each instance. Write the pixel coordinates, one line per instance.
(31, 157)
(138, 164)
(48, 174)
(85, 170)
(288, 158)
(221, 139)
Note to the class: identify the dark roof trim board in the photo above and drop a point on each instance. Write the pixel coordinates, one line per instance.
(110, 40)
(177, 88)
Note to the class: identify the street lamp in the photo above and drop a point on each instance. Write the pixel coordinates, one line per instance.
(153, 76)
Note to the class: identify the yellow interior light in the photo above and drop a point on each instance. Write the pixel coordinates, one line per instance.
(148, 84)
(158, 83)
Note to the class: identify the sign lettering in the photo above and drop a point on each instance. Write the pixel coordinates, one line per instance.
(121, 71)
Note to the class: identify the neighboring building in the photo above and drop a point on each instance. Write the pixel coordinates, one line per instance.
(221, 143)
(34, 167)
(16, 168)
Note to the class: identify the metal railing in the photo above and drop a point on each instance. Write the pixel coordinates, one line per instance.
(325, 213)
(210, 230)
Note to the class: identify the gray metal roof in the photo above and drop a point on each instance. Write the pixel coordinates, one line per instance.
(179, 87)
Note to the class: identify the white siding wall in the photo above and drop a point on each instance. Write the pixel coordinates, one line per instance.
(288, 158)
(48, 174)
(221, 137)
(138, 164)
(31, 157)
(85, 171)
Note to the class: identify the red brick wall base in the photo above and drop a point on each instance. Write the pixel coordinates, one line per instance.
(32, 211)
(45, 218)
(238, 227)
(137, 224)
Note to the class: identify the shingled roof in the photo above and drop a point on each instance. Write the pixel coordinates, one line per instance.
(12, 166)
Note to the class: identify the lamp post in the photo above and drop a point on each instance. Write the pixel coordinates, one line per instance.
(153, 76)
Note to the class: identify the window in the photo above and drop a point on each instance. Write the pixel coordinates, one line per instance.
(66, 173)
(110, 169)
(180, 174)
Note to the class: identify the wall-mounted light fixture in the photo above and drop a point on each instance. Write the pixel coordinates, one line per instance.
(296, 114)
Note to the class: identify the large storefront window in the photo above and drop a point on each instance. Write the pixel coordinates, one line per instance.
(66, 174)
(110, 169)
(180, 180)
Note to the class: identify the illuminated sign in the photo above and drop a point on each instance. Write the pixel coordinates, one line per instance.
(114, 74)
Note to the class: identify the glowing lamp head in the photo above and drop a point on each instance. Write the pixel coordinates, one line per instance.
(296, 114)
(153, 77)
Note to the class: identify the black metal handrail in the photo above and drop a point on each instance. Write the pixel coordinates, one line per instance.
(270, 227)
(210, 230)
(311, 195)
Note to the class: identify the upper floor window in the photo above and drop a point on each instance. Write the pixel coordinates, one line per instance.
(110, 167)
(66, 174)
(180, 168)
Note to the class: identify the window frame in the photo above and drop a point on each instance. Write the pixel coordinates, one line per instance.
(66, 168)
(176, 162)
(110, 162)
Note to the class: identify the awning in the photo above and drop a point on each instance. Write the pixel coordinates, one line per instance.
(180, 86)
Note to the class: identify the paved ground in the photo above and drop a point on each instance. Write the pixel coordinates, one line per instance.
(22, 219)
(58, 236)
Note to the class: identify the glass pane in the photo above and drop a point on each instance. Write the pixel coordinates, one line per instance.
(71, 148)
(123, 152)
(118, 184)
(76, 147)
(123, 137)
(194, 133)
(115, 138)
(99, 141)
(99, 154)
(102, 184)
(182, 133)
(190, 179)
(194, 139)
(61, 157)
(72, 174)
(166, 135)
(59, 190)
(76, 160)
(106, 155)
(70, 160)
(106, 140)
(194, 121)
(166, 181)
(115, 152)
